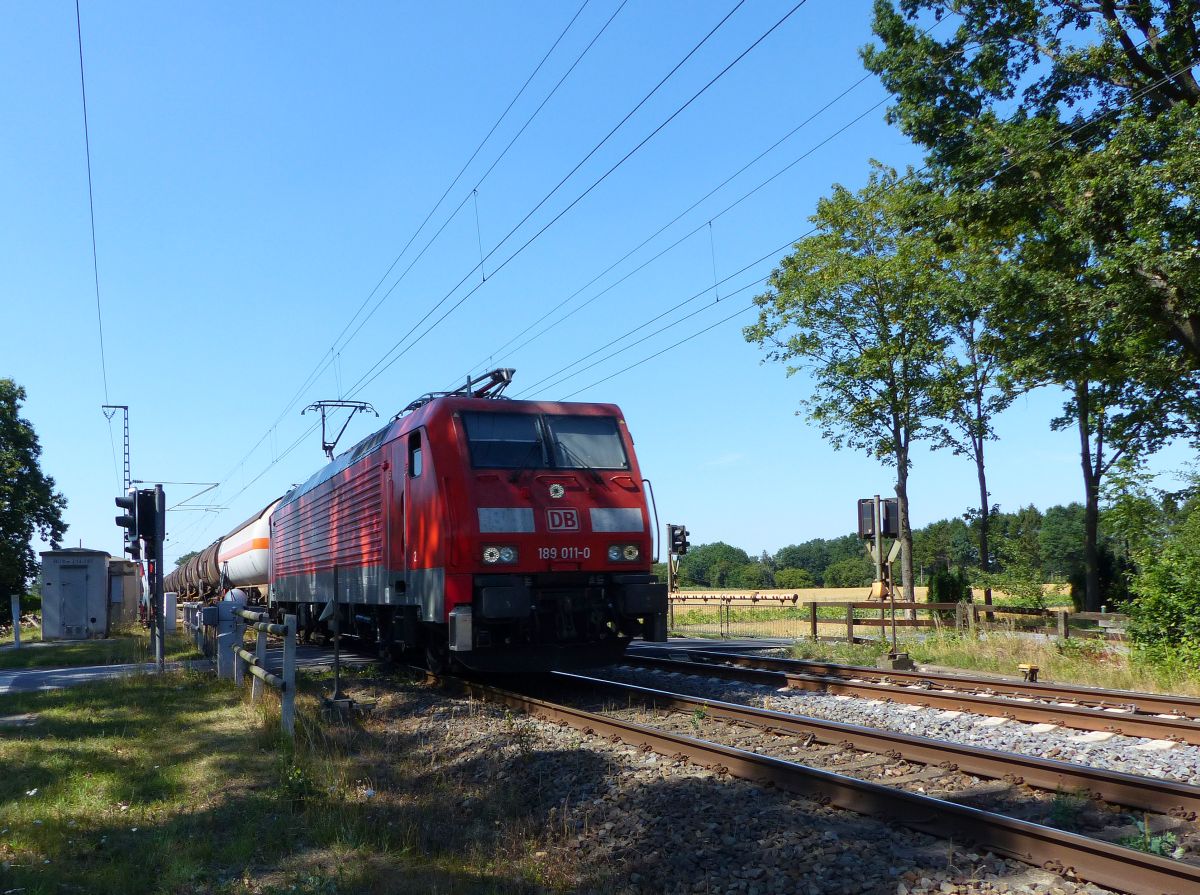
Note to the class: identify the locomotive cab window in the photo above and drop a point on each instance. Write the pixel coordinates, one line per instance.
(530, 441)
(586, 442)
(505, 440)
(414, 455)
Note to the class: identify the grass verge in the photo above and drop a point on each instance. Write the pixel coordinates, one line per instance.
(124, 647)
(176, 784)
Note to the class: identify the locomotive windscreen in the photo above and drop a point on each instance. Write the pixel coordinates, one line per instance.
(530, 441)
(586, 442)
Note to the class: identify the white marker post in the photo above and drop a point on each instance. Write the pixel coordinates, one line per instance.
(16, 612)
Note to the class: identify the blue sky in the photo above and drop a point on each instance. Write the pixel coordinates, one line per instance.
(257, 168)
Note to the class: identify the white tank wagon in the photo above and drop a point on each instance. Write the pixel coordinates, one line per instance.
(240, 558)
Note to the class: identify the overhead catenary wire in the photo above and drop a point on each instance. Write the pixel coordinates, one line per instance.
(667, 226)
(1011, 163)
(384, 364)
(324, 363)
(87, 146)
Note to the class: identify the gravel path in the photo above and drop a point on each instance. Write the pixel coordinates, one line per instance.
(1132, 755)
(610, 818)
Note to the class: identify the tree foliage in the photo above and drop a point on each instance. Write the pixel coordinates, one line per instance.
(853, 306)
(1070, 134)
(29, 505)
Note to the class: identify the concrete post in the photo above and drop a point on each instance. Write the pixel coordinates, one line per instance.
(1064, 629)
(16, 613)
(227, 636)
(812, 620)
(288, 706)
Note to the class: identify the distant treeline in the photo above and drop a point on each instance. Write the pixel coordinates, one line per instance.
(1031, 548)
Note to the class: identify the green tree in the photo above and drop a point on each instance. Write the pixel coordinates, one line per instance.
(1061, 540)
(710, 565)
(185, 557)
(1071, 134)
(794, 579)
(29, 504)
(852, 307)
(850, 573)
(752, 576)
(1019, 558)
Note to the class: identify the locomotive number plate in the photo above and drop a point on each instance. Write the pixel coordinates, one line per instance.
(564, 552)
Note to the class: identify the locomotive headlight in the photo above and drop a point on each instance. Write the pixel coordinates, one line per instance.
(623, 553)
(630, 552)
(491, 555)
(614, 553)
(508, 554)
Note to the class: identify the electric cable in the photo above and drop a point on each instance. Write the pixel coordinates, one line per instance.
(376, 370)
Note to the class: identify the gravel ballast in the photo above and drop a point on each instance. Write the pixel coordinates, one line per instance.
(1131, 755)
(605, 817)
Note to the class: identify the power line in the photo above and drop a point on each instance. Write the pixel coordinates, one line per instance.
(87, 145)
(373, 373)
(808, 152)
(324, 364)
(883, 189)
(479, 183)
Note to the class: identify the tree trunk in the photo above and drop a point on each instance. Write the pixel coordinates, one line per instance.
(1091, 513)
(906, 540)
(985, 520)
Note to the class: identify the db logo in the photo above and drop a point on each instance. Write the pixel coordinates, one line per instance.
(562, 520)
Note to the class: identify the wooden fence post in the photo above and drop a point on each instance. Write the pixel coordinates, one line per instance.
(288, 708)
(849, 622)
(812, 620)
(972, 619)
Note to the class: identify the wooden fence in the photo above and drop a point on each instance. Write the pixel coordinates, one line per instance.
(785, 616)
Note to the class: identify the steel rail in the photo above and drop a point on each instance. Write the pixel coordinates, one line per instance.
(1073, 716)
(1103, 863)
(1147, 703)
(1128, 790)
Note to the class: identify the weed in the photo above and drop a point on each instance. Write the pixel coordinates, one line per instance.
(1165, 844)
(698, 715)
(1066, 809)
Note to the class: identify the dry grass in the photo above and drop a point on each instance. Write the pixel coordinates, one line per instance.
(1085, 661)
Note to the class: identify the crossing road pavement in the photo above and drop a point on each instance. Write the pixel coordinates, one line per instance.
(27, 680)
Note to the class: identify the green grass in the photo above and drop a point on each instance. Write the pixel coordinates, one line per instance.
(123, 648)
(176, 784)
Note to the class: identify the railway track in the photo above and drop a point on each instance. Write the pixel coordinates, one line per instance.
(1107, 711)
(1071, 854)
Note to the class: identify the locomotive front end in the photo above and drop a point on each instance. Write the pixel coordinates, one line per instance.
(556, 570)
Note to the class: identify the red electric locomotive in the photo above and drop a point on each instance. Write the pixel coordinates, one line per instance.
(486, 532)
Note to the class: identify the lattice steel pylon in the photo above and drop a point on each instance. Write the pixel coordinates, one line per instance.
(109, 411)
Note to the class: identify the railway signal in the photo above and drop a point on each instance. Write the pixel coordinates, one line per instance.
(678, 536)
(145, 525)
(128, 521)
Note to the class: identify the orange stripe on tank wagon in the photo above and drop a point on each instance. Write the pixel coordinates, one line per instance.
(254, 544)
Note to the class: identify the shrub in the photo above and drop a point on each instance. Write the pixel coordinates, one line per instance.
(1165, 611)
(946, 586)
